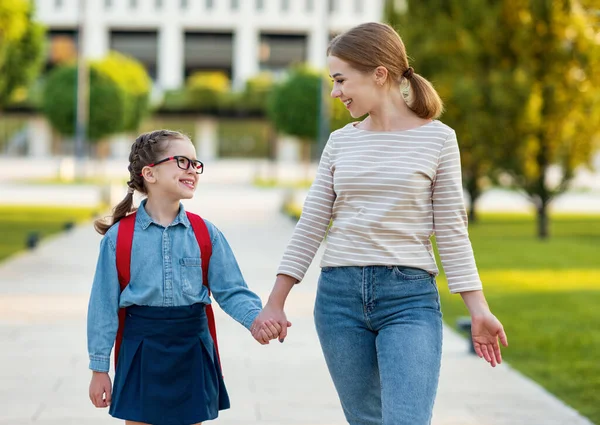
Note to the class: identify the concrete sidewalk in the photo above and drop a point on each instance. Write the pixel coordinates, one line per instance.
(43, 363)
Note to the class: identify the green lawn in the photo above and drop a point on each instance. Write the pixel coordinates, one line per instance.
(547, 295)
(17, 222)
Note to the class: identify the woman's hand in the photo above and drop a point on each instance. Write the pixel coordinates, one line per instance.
(486, 330)
(270, 324)
(100, 389)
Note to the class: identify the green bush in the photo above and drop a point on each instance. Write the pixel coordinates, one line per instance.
(207, 90)
(107, 102)
(119, 90)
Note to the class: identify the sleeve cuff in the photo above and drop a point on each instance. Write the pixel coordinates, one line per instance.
(250, 317)
(99, 363)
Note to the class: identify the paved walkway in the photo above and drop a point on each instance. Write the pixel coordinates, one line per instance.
(43, 361)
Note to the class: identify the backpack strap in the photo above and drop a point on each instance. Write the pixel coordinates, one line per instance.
(205, 244)
(123, 254)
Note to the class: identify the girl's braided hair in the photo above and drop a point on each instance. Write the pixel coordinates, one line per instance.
(146, 149)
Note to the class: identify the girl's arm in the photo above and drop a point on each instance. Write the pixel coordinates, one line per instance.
(102, 320)
(227, 282)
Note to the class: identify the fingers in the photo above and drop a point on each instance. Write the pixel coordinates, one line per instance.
(503, 338)
(283, 333)
(108, 397)
(271, 328)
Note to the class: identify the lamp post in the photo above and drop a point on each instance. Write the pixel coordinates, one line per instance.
(82, 98)
(324, 127)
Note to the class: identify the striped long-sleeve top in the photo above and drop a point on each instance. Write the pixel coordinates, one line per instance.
(385, 194)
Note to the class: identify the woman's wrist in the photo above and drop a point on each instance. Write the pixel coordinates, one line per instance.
(475, 302)
(281, 289)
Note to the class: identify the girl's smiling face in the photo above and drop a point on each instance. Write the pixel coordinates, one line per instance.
(168, 179)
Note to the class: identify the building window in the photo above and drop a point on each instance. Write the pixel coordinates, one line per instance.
(235, 4)
(260, 4)
(310, 5)
(183, 4)
(108, 4)
(133, 4)
(158, 4)
(58, 4)
(358, 6)
(285, 5)
(210, 4)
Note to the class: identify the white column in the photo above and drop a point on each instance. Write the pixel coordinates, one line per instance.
(206, 139)
(39, 138)
(245, 46)
(318, 38)
(170, 70)
(95, 37)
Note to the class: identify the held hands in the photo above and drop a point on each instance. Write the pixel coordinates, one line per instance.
(271, 323)
(100, 389)
(486, 329)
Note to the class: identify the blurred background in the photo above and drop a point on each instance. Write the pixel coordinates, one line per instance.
(247, 81)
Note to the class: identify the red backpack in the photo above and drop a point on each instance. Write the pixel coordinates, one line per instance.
(124, 243)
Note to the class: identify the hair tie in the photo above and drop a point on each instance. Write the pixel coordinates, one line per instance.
(408, 73)
(130, 190)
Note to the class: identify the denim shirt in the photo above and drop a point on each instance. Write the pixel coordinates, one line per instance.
(165, 271)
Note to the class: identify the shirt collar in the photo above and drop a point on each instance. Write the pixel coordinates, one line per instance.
(145, 220)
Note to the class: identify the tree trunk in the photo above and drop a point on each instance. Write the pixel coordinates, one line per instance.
(542, 220)
(474, 194)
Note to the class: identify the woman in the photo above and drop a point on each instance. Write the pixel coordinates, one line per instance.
(385, 184)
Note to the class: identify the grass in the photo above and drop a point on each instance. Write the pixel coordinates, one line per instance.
(17, 222)
(546, 293)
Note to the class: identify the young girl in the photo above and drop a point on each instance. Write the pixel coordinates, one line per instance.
(167, 369)
(386, 185)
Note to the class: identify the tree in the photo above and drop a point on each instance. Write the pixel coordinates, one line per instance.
(518, 83)
(119, 91)
(107, 102)
(294, 107)
(132, 77)
(464, 57)
(21, 47)
(556, 45)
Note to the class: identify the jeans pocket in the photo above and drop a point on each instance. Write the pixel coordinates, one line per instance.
(411, 273)
(191, 275)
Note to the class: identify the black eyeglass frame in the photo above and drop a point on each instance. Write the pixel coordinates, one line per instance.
(199, 166)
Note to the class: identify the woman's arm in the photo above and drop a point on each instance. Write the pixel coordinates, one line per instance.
(486, 329)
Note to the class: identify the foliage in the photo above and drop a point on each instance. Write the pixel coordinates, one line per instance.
(21, 48)
(294, 105)
(106, 97)
(207, 89)
(517, 78)
(119, 90)
(133, 79)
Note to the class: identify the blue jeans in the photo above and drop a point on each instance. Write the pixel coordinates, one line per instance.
(380, 329)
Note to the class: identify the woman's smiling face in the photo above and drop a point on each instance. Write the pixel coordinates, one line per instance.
(357, 90)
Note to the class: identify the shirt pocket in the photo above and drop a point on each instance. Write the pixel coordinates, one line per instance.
(191, 275)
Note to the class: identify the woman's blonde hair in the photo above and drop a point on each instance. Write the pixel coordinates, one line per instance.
(146, 150)
(373, 44)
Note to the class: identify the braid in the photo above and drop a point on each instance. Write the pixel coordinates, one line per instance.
(146, 150)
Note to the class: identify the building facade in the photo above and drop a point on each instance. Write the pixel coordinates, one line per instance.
(174, 38)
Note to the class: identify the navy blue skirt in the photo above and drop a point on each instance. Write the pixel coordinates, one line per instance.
(167, 372)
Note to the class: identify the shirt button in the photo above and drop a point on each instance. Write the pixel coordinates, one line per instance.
(166, 257)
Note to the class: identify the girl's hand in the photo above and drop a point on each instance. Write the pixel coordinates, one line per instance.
(486, 329)
(270, 324)
(100, 389)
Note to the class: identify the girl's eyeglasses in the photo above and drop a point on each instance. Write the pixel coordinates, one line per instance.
(183, 162)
